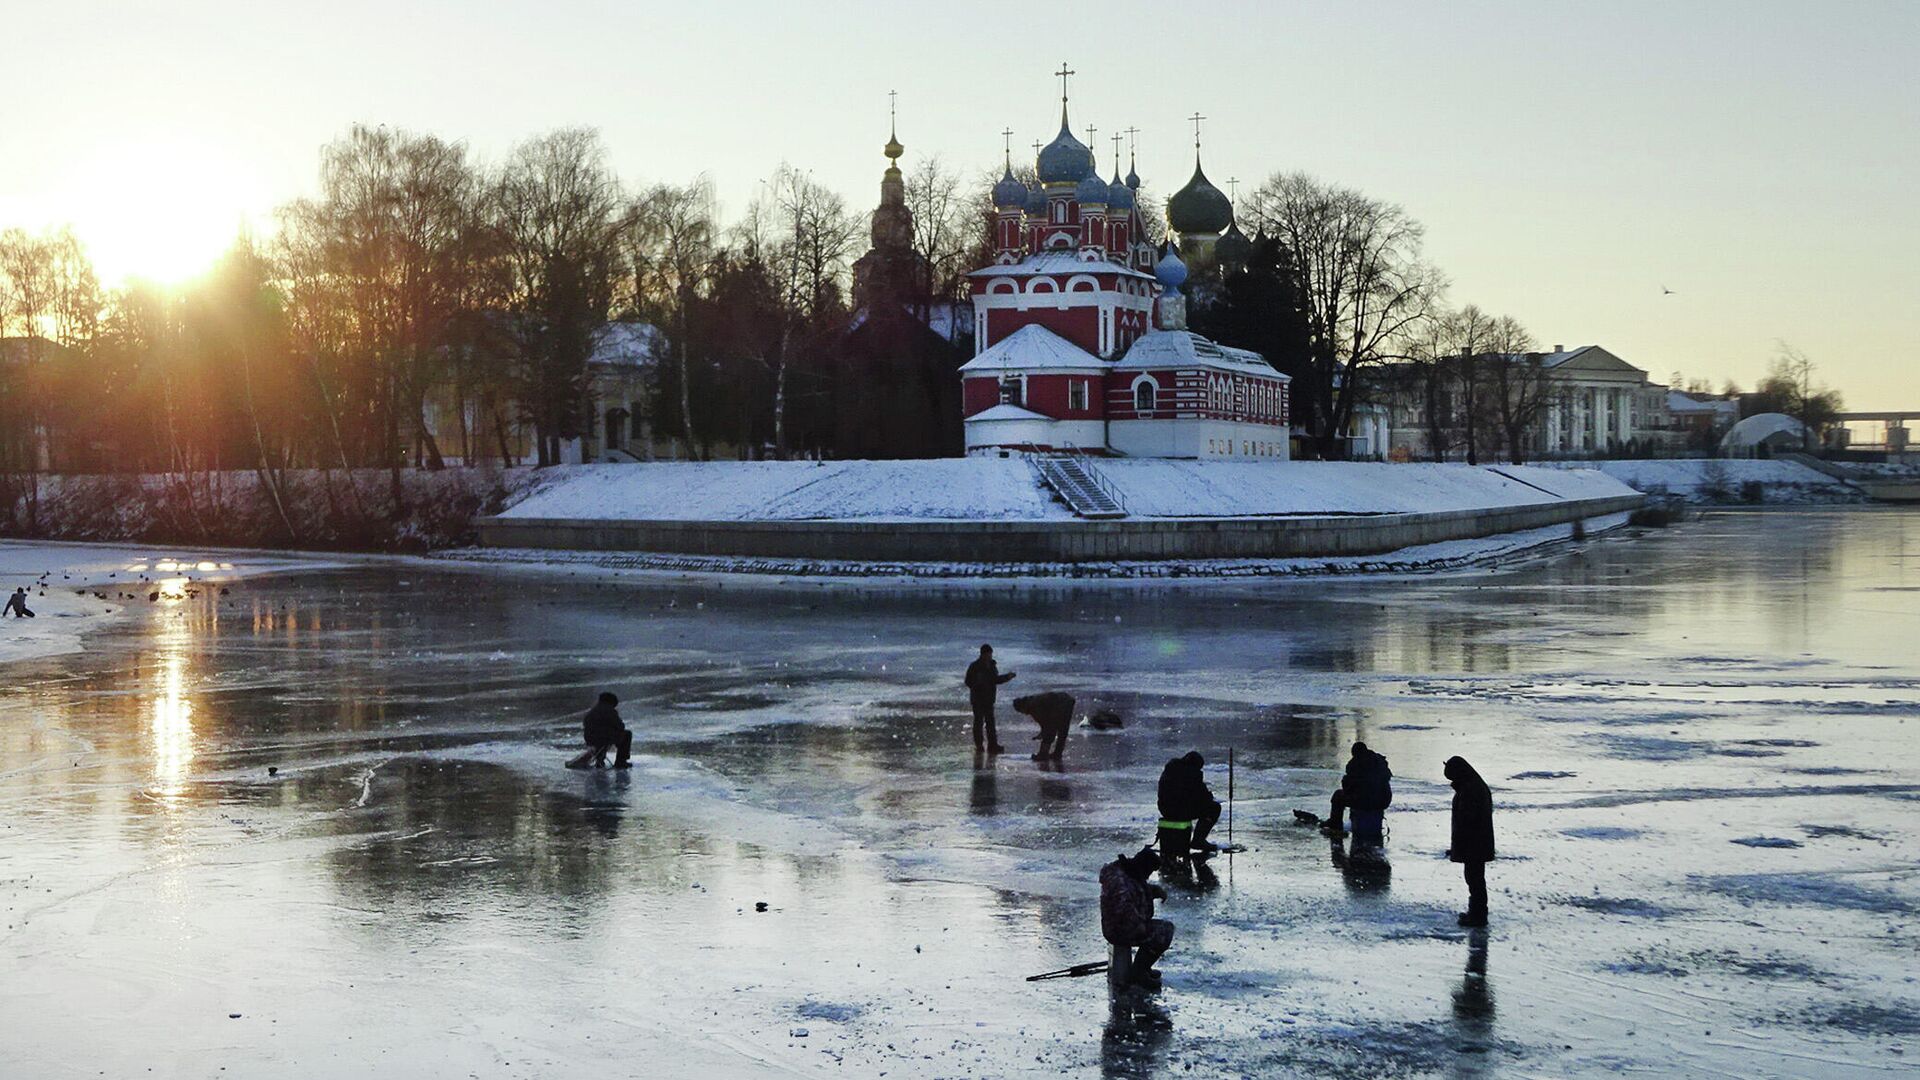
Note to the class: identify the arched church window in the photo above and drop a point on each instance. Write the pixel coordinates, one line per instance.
(1144, 393)
(1012, 391)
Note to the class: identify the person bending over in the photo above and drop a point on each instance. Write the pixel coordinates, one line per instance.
(1126, 913)
(603, 731)
(17, 606)
(1184, 796)
(1053, 711)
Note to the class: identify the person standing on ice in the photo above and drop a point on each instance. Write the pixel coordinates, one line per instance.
(1472, 835)
(1126, 913)
(603, 731)
(17, 606)
(1367, 790)
(983, 687)
(1053, 711)
(1184, 796)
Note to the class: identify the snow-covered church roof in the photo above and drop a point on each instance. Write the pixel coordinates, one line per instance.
(1004, 411)
(628, 344)
(1033, 348)
(1184, 348)
(1059, 262)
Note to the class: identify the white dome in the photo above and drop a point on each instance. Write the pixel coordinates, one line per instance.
(1772, 428)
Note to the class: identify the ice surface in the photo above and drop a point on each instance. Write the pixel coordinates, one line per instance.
(421, 890)
(72, 586)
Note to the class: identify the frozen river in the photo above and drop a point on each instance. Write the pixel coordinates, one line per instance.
(1701, 744)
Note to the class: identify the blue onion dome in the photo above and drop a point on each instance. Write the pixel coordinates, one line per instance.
(1133, 178)
(1064, 160)
(1092, 191)
(1233, 248)
(1119, 195)
(1170, 272)
(1199, 207)
(1036, 202)
(1009, 193)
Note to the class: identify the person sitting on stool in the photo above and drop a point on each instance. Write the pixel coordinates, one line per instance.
(1184, 796)
(603, 731)
(1367, 790)
(1126, 913)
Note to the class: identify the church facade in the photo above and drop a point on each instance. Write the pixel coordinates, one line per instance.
(1080, 332)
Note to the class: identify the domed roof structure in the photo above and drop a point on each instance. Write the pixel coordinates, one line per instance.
(1776, 431)
(1091, 191)
(1009, 193)
(1119, 195)
(1036, 202)
(1199, 207)
(1170, 271)
(1233, 248)
(1133, 178)
(1064, 160)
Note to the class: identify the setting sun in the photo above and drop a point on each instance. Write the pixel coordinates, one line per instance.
(157, 209)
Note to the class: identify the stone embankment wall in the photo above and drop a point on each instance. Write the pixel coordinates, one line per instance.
(1045, 541)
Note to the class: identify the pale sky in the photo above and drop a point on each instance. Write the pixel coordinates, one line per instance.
(1568, 160)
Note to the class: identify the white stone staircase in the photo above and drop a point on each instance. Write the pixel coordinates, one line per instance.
(1078, 484)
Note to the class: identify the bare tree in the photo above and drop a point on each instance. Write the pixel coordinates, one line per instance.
(1365, 285)
(672, 247)
(1518, 386)
(946, 229)
(810, 238)
(1789, 388)
(1468, 334)
(558, 211)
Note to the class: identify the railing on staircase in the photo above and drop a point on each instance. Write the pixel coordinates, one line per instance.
(1078, 483)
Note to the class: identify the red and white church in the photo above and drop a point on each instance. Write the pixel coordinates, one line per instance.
(1080, 329)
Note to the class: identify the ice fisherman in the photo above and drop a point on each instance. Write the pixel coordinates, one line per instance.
(1472, 835)
(1367, 790)
(17, 606)
(983, 687)
(1126, 913)
(1053, 711)
(603, 731)
(1184, 796)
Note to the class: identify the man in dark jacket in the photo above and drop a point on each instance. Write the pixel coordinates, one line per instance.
(1053, 711)
(603, 731)
(1184, 796)
(1126, 912)
(983, 686)
(1367, 790)
(1472, 835)
(17, 605)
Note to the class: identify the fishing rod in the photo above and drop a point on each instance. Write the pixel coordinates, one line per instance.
(1074, 972)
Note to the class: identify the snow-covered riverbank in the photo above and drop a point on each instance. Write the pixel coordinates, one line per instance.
(1725, 481)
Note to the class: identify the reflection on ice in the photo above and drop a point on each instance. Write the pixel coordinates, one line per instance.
(171, 725)
(356, 784)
